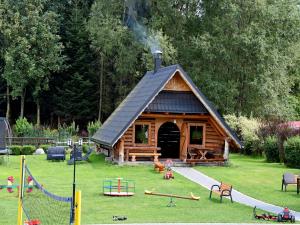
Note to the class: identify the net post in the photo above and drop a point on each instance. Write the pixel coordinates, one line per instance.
(20, 190)
(77, 208)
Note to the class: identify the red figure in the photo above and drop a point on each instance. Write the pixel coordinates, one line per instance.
(33, 222)
(30, 184)
(10, 181)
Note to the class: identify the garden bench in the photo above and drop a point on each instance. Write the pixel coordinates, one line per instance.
(145, 154)
(159, 167)
(141, 149)
(56, 153)
(222, 190)
(288, 178)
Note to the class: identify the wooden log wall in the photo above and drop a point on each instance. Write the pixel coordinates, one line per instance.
(129, 134)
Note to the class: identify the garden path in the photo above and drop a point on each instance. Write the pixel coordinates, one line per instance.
(237, 196)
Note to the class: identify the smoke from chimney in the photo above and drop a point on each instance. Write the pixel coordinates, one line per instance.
(135, 9)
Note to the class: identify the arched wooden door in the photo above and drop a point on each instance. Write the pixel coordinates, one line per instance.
(169, 140)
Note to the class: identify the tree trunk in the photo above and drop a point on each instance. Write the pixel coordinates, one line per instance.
(100, 87)
(281, 149)
(38, 113)
(7, 103)
(22, 103)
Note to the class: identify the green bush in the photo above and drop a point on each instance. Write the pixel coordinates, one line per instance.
(47, 132)
(16, 149)
(65, 131)
(270, 148)
(292, 152)
(23, 128)
(28, 149)
(93, 127)
(246, 129)
(85, 148)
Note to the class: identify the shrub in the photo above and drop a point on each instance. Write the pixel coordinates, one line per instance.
(23, 128)
(47, 132)
(270, 149)
(246, 129)
(66, 131)
(28, 149)
(85, 148)
(292, 152)
(16, 149)
(93, 127)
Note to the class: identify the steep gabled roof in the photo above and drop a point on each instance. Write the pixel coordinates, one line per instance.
(141, 97)
(176, 102)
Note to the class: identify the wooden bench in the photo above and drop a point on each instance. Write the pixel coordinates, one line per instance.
(159, 167)
(134, 155)
(222, 190)
(288, 178)
(141, 149)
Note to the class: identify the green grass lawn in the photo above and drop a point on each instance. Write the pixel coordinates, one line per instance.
(258, 179)
(96, 208)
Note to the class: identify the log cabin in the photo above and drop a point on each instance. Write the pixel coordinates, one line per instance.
(166, 116)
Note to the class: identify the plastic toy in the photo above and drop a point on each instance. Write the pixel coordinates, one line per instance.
(119, 218)
(159, 167)
(32, 222)
(285, 216)
(29, 185)
(118, 187)
(169, 174)
(264, 216)
(172, 203)
(10, 185)
(169, 163)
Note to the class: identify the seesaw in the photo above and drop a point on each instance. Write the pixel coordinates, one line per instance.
(171, 203)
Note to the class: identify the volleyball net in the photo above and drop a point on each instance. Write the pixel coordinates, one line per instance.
(40, 206)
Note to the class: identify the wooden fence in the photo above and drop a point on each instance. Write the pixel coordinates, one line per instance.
(36, 141)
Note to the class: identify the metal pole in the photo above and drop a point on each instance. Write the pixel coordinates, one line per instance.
(74, 184)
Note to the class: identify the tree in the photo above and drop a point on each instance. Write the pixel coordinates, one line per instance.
(78, 77)
(122, 48)
(33, 50)
(242, 55)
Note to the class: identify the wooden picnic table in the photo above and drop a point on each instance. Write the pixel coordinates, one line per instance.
(198, 153)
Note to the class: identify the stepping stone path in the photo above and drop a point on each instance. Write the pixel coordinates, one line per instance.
(207, 182)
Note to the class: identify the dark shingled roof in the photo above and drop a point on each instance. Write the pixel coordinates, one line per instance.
(176, 102)
(139, 99)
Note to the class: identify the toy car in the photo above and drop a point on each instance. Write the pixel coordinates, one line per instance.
(286, 215)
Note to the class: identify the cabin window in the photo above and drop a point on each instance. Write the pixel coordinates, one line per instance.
(141, 134)
(196, 134)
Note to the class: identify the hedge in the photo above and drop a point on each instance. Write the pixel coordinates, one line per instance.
(22, 150)
(292, 152)
(270, 149)
(16, 149)
(28, 149)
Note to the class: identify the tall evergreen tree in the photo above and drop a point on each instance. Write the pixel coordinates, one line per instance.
(78, 77)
